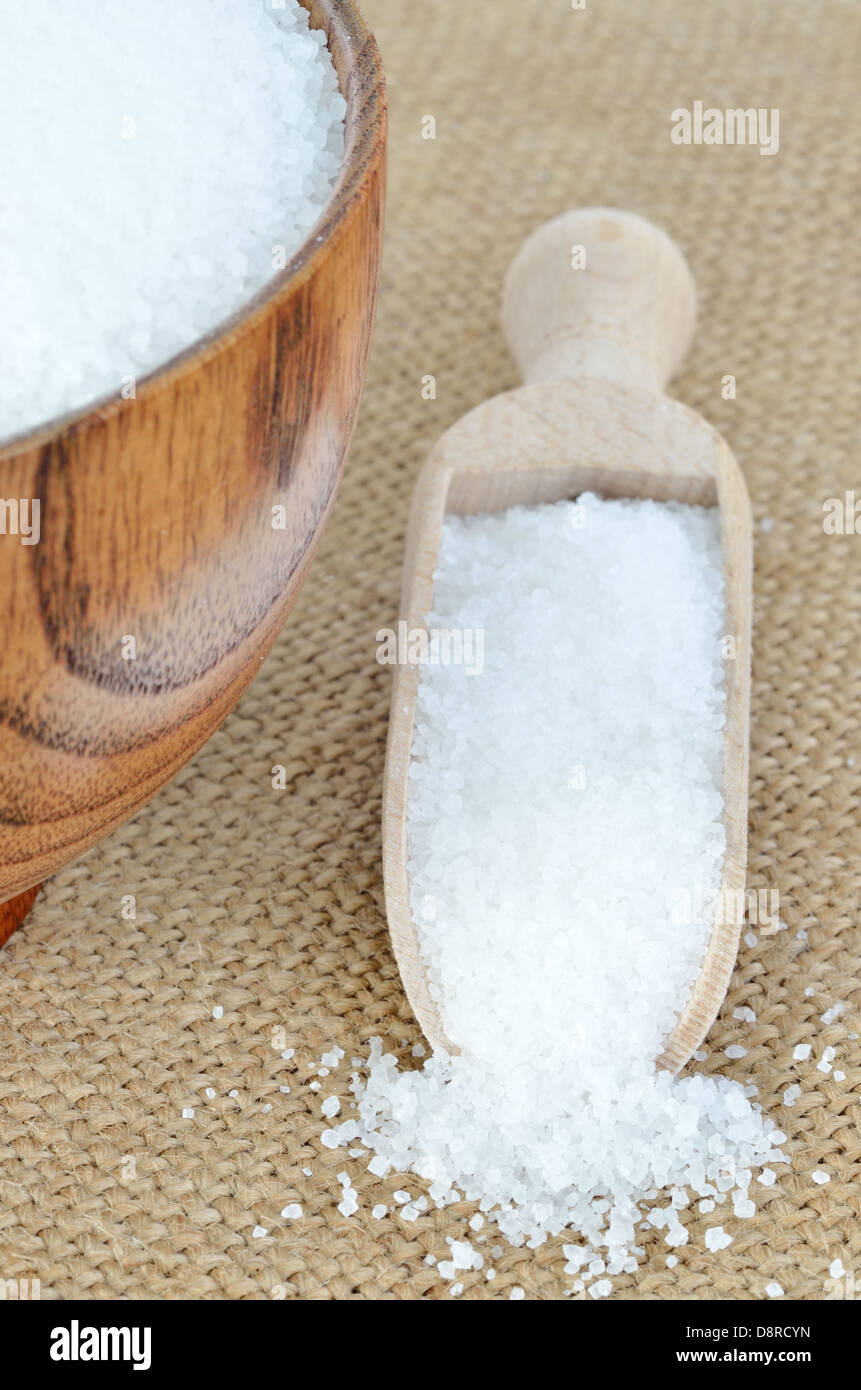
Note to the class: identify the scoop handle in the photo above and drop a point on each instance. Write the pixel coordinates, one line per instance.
(599, 293)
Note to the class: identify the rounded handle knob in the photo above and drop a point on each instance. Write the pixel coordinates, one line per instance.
(599, 293)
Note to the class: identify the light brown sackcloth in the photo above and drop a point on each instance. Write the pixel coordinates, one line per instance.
(269, 903)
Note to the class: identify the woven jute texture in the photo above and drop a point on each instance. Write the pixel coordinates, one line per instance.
(269, 902)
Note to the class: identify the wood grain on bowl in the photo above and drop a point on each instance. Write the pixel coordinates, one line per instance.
(157, 523)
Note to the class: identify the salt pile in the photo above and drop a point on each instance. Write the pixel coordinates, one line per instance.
(564, 823)
(157, 162)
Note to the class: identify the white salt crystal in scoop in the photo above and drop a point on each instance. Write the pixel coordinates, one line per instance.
(570, 915)
(153, 159)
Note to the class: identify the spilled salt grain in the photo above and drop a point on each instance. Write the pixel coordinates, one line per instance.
(430, 1259)
(188, 1113)
(672, 1261)
(259, 1232)
(833, 1013)
(194, 140)
(330, 1107)
(801, 1052)
(210, 1093)
(602, 1289)
(456, 1290)
(516, 1293)
(750, 938)
(836, 1270)
(476, 1222)
(819, 1175)
(379, 1211)
(774, 1290)
(292, 1211)
(287, 1054)
(734, 1051)
(717, 1238)
(745, 1014)
(307, 1172)
(401, 1197)
(768, 1177)
(218, 1011)
(552, 1115)
(791, 1094)
(840, 1076)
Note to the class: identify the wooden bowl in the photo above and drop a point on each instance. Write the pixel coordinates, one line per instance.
(157, 524)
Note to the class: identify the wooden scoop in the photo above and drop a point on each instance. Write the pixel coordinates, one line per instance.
(599, 309)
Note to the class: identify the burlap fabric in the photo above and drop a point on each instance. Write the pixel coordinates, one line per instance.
(269, 903)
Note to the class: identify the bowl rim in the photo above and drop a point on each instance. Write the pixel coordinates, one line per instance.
(361, 157)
